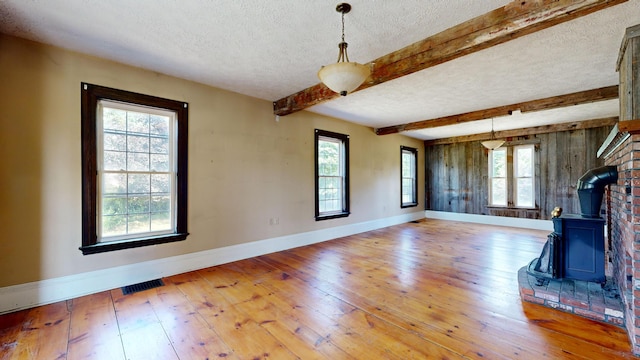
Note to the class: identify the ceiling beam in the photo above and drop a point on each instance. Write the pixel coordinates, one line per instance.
(545, 129)
(516, 19)
(581, 97)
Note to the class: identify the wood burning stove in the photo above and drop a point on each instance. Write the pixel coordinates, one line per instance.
(575, 248)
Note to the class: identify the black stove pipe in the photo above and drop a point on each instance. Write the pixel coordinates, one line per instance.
(591, 188)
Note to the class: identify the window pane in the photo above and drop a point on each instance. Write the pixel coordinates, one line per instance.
(407, 164)
(115, 160)
(114, 184)
(137, 143)
(329, 158)
(114, 119)
(114, 225)
(128, 146)
(161, 221)
(498, 191)
(329, 194)
(524, 191)
(116, 142)
(335, 183)
(139, 223)
(139, 184)
(499, 163)
(159, 125)
(159, 162)
(160, 183)
(322, 181)
(330, 164)
(524, 162)
(138, 204)
(137, 122)
(159, 145)
(407, 190)
(114, 205)
(523, 173)
(137, 162)
(160, 203)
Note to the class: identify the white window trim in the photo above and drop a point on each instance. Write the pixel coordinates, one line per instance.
(511, 180)
(100, 163)
(515, 177)
(490, 177)
(341, 173)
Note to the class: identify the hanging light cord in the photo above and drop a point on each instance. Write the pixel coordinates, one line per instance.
(342, 55)
(342, 26)
(493, 134)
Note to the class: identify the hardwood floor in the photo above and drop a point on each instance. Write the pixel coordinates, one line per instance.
(434, 289)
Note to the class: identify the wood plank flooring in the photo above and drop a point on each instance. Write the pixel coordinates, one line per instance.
(433, 289)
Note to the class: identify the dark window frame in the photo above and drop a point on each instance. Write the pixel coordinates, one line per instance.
(90, 96)
(414, 151)
(344, 139)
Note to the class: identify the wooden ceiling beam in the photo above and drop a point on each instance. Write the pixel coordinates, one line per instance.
(577, 98)
(516, 19)
(574, 125)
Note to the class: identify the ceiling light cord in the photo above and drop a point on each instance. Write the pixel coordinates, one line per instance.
(342, 26)
(343, 55)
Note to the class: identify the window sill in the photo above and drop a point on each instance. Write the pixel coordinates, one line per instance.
(511, 208)
(131, 243)
(332, 216)
(408, 205)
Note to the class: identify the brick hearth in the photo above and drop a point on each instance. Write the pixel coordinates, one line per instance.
(588, 299)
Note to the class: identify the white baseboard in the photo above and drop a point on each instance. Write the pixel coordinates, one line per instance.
(22, 296)
(535, 224)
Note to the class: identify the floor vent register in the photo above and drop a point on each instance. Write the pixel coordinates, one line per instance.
(130, 289)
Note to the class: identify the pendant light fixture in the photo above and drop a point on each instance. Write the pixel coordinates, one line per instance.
(493, 143)
(343, 77)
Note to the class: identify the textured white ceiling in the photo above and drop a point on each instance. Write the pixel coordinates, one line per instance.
(270, 49)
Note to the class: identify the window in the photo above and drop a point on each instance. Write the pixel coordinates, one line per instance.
(523, 175)
(512, 176)
(498, 177)
(409, 176)
(134, 170)
(332, 175)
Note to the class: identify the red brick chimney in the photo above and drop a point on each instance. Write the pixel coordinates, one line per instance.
(622, 149)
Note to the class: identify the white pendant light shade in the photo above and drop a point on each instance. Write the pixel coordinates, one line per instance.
(343, 77)
(492, 144)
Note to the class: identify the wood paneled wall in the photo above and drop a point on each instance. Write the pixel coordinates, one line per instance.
(457, 174)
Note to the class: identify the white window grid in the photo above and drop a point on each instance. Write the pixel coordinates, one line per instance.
(331, 188)
(101, 172)
(524, 173)
(408, 177)
(494, 192)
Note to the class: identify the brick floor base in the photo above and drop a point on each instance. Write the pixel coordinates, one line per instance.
(595, 301)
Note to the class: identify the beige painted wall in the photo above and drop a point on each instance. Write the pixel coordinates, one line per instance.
(244, 167)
